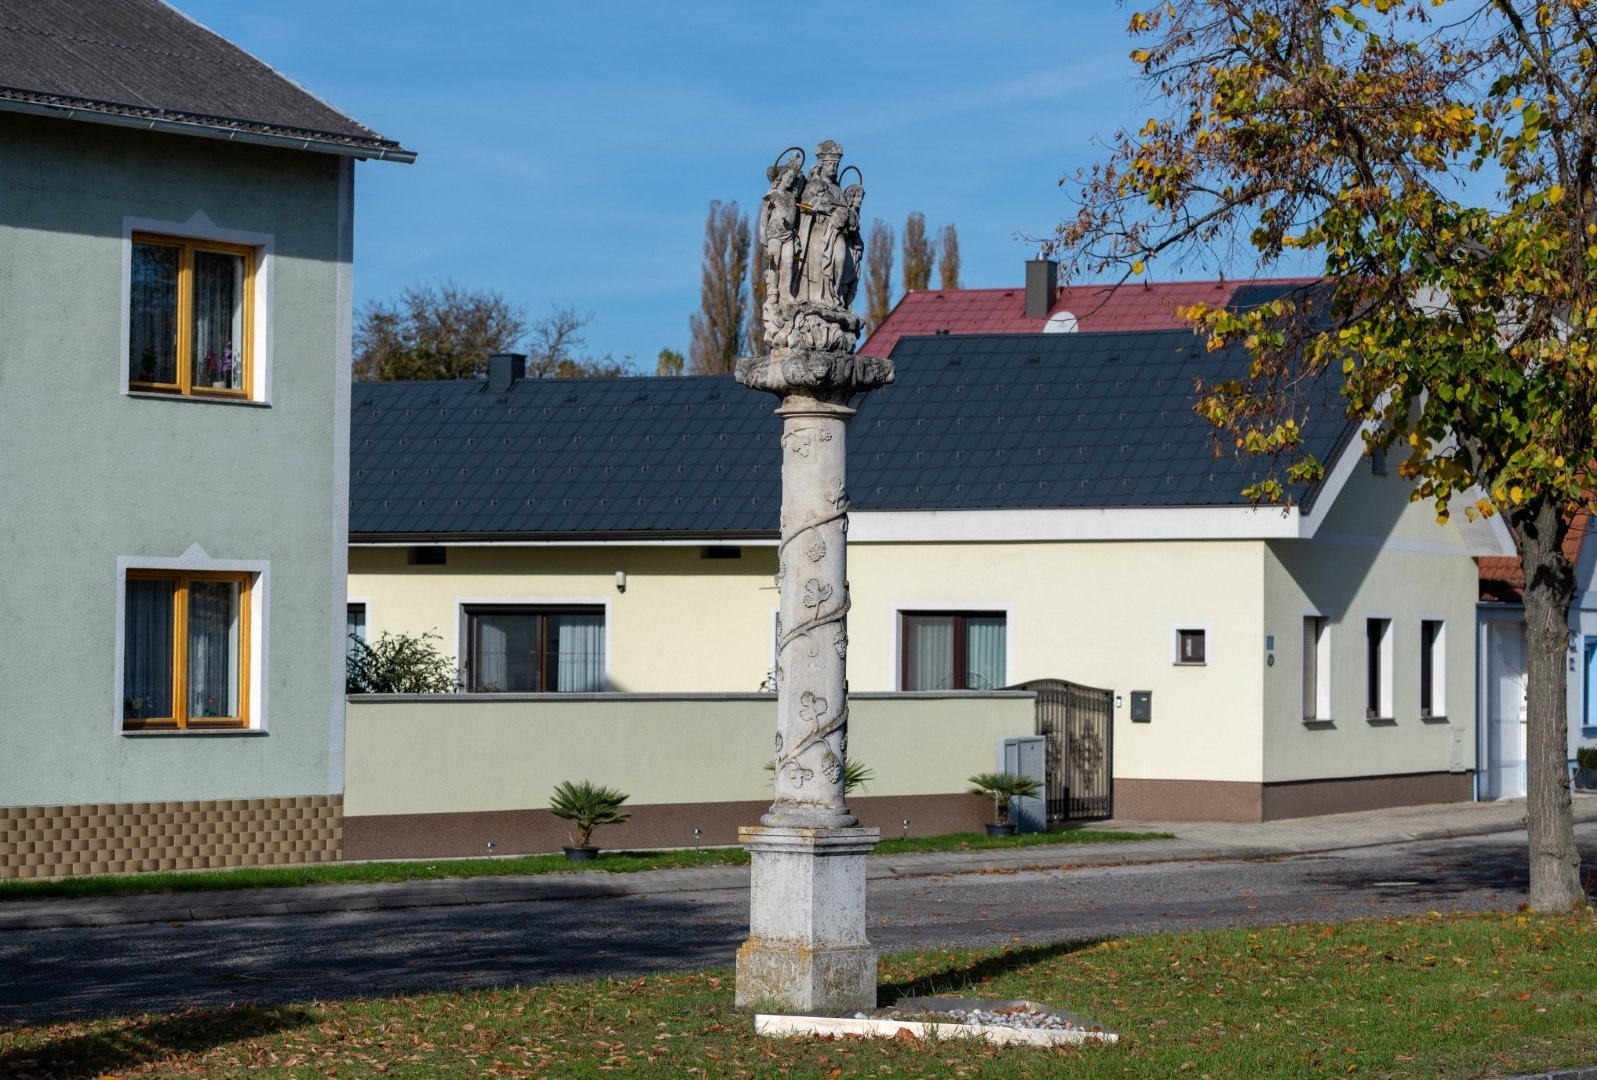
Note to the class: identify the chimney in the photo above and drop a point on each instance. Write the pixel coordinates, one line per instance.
(1042, 287)
(505, 369)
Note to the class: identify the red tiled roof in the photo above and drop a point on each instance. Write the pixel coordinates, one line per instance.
(1502, 577)
(1132, 306)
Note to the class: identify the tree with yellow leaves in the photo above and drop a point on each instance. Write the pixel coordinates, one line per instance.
(1436, 161)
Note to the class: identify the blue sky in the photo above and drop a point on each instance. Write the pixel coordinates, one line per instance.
(569, 152)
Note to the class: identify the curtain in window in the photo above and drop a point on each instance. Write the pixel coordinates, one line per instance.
(152, 315)
(984, 652)
(218, 320)
(929, 652)
(213, 649)
(578, 644)
(492, 667)
(147, 649)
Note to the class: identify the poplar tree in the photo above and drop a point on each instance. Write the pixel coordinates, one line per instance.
(948, 258)
(1367, 138)
(918, 253)
(717, 328)
(878, 274)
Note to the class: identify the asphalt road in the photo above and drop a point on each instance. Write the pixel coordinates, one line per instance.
(67, 974)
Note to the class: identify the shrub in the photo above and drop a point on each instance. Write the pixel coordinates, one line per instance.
(399, 664)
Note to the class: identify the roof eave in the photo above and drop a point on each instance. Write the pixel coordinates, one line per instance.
(549, 536)
(88, 113)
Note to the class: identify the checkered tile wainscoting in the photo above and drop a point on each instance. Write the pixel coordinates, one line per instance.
(110, 838)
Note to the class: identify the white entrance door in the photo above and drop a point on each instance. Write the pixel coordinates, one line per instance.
(1505, 710)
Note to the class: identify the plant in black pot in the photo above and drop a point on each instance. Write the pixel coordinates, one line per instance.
(1586, 768)
(587, 806)
(1000, 787)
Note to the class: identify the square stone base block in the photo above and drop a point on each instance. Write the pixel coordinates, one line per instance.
(807, 950)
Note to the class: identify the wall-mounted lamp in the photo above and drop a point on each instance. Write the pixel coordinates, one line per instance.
(621, 581)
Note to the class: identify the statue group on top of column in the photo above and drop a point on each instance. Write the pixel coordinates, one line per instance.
(810, 251)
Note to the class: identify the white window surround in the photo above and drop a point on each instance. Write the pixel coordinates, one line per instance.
(463, 602)
(1387, 710)
(1438, 666)
(895, 675)
(1175, 642)
(200, 227)
(1322, 664)
(196, 559)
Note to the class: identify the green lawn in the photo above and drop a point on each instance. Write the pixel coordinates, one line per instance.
(619, 862)
(1456, 996)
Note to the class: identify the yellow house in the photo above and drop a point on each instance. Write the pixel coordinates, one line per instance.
(1023, 508)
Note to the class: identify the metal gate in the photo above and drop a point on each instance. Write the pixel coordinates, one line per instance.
(1079, 724)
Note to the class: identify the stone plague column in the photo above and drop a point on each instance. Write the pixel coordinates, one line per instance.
(807, 950)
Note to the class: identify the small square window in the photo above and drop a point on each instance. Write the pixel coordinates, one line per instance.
(189, 317)
(1192, 647)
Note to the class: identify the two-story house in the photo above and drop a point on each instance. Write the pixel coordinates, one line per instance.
(175, 309)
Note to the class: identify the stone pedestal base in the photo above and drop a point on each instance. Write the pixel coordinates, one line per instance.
(807, 951)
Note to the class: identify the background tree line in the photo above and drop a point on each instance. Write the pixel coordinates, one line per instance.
(448, 331)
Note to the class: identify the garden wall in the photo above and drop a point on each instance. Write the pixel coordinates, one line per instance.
(445, 775)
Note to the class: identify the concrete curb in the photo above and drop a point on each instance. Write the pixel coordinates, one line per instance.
(584, 885)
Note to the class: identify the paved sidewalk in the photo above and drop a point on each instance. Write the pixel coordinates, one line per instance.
(1194, 840)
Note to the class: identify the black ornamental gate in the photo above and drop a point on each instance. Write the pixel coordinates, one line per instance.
(1078, 722)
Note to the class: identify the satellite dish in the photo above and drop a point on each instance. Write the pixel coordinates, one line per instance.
(1061, 322)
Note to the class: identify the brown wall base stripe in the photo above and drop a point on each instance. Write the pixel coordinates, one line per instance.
(117, 838)
(522, 832)
(1217, 800)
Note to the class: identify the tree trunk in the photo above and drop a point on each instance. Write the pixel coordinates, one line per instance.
(1549, 816)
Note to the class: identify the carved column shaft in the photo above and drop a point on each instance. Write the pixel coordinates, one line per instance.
(812, 642)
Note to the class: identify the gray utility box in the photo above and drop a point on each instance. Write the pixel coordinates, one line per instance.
(1027, 755)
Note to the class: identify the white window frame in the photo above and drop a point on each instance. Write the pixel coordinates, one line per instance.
(1189, 626)
(200, 227)
(896, 659)
(1322, 669)
(1438, 659)
(1387, 707)
(461, 621)
(197, 559)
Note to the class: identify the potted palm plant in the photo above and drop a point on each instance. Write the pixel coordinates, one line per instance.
(587, 806)
(1000, 787)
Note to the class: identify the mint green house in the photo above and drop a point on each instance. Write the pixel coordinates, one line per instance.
(175, 294)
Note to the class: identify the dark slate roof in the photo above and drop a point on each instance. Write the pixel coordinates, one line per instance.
(144, 62)
(984, 422)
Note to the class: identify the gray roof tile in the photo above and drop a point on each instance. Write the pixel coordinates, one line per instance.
(143, 59)
(1005, 421)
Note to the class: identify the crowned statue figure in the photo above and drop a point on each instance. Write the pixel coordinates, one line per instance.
(810, 251)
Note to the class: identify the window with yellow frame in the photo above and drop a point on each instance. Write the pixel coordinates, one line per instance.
(189, 316)
(185, 650)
